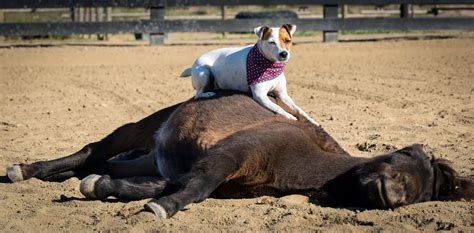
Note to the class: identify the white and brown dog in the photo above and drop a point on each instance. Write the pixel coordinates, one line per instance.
(258, 68)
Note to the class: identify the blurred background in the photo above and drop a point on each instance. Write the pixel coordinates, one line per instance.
(21, 25)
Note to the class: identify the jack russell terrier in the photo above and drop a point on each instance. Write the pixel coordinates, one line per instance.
(258, 68)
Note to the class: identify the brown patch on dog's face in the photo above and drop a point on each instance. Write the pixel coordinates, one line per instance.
(285, 37)
(266, 33)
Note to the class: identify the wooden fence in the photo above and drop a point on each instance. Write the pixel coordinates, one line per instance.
(158, 26)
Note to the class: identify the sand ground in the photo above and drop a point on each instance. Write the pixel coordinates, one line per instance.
(372, 97)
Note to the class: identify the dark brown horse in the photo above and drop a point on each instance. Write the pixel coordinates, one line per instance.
(229, 146)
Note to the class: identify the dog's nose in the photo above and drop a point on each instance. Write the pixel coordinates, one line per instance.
(284, 54)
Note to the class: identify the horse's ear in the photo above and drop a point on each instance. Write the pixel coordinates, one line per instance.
(412, 150)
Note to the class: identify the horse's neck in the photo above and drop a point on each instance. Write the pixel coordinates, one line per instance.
(316, 170)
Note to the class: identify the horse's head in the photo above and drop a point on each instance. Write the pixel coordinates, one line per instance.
(403, 177)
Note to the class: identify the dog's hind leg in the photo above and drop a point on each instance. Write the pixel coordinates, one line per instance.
(202, 81)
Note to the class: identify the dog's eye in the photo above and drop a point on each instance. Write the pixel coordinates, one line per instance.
(272, 42)
(287, 41)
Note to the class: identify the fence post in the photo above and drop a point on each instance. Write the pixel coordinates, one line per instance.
(2, 16)
(108, 18)
(224, 17)
(330, 12)
(157, 14)
(404, 11)
(99, 14)
(345, 11)
(88, 18)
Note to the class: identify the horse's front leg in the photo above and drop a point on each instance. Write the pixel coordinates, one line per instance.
(126, 189)
(92, 158)
(141, 179)
(198, 184)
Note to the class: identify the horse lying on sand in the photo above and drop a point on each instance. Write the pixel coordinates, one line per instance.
(229, 146)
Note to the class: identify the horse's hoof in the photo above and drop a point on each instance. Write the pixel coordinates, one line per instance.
(87, 186)
(157, 209)
(14, 173)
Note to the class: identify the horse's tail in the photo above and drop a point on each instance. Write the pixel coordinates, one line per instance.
(186, 73)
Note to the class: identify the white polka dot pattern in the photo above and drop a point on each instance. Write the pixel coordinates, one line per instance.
(260, 69)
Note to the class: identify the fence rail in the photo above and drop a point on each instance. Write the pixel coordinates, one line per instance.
(234, 25)
(157, 26)
(174, 3)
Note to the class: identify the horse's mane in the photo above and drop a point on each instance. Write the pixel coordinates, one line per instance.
(448, 185)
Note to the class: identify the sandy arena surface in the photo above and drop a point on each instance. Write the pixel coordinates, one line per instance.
(372, 97)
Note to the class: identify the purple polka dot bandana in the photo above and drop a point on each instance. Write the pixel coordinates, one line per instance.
(260, 69)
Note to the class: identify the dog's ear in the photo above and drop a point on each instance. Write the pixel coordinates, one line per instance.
(260, 31)
(291, 28)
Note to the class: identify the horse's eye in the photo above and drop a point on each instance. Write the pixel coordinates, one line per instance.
(287, 41)
(272, 42)
(396, 176)
(406, 153)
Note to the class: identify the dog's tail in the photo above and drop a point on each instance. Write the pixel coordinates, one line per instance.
(186, 73)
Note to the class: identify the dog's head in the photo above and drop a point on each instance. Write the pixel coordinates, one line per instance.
(275, 42)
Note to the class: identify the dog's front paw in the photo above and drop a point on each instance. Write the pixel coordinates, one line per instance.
(205, 95)
(291, 117)
(314, 122)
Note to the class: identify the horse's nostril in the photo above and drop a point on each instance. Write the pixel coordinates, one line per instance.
(284, 54)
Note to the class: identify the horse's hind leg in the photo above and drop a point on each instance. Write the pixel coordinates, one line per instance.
(128, 164)
(143, 165)
(92, 158)
(44, 169)
(88, 159)
(79, 162)
(134, 188)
